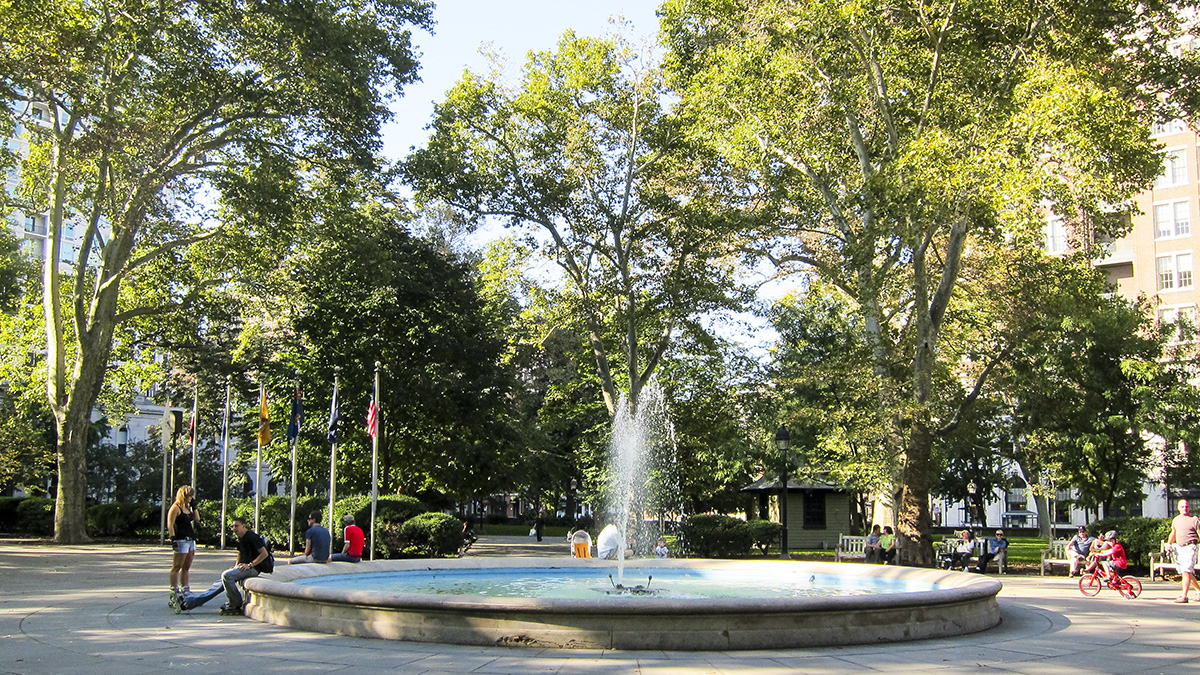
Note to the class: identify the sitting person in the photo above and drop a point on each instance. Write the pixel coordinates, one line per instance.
(253, 559)
(316, 542)
(1078, 549)
(352, 550)
(660, 549)
(994, 548)
(887, 545)
(963, 550)
(608, 542)
(871, 547)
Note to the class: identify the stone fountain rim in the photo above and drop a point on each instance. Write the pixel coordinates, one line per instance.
(957, 588)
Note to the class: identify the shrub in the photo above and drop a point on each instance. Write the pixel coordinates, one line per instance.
(1140, 536)
(764, 534)
(122, 519)
(35, 515)
(715, 536)
(8, 513)
(432, 535)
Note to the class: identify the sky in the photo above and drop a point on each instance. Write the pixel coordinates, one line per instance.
(513, 27)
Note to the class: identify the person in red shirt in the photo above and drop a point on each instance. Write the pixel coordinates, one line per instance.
(1114, 557)
(352, 550)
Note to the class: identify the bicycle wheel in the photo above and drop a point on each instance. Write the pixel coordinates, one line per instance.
(1130, 587)
(1090, 585)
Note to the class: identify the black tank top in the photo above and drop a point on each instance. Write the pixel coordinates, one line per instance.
(183, 526)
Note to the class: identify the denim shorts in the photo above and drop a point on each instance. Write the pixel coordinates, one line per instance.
(183, 546)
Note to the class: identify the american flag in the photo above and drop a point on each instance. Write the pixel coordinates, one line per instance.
(373, 420)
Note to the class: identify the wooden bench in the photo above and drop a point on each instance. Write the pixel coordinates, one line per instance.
(1162, 561)
(1056, 554)
(856, 548)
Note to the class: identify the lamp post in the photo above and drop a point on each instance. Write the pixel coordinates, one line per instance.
(783, 440)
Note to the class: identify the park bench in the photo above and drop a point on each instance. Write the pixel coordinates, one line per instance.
(1162, 561)
(852, 547)
(1056, 554)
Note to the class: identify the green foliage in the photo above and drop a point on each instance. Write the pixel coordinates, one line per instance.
(432, 535)
(123, 519)
(1139, 536)
(35, 515)
(8, 513)
(765, 534)
(715, 536)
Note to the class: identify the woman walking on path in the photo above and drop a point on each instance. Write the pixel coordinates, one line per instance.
(180, 523)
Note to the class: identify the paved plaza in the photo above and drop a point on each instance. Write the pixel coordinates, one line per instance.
(102, 609)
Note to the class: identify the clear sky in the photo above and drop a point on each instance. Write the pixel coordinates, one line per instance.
(513, 27)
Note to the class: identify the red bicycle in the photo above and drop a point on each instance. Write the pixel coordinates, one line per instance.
(1091, 583)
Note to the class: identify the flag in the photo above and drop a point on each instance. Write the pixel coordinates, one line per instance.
(373, 420)
(334, 416)
(167, 424)
(192, 431)
(264, 422)
(293, 430)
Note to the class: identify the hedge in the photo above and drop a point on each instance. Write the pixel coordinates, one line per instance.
(715, 536)
(765, 534)
(123, 519)
(432, 535)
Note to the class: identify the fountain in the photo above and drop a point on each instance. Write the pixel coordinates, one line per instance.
(577, 603)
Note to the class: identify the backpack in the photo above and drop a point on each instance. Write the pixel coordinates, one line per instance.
(267, 566)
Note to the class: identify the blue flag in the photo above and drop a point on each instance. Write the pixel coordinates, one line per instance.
(297, 418)
(334, 416)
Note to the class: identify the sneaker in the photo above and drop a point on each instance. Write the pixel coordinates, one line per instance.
(226, 610)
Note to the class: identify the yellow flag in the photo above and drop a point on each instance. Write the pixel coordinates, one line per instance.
(264, 423)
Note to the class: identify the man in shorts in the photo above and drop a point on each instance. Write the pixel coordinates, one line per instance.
(1185, 534)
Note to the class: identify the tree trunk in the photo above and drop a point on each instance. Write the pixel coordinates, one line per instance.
(913, 517)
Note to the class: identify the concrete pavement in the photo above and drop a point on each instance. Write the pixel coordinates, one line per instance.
(102, 609)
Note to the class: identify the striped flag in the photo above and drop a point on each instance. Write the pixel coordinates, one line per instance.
(264, 421)
(373, 420)
(293, 430)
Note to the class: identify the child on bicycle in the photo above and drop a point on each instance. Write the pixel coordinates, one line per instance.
(1113, 557)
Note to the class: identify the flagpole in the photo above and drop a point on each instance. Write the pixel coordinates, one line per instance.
(295, 434)
(195, 428)
(164, 429)
(334, 413)
(262, 398)
(225, 464)
(375, 460)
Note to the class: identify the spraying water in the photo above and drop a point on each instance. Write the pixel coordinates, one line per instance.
(641, 466)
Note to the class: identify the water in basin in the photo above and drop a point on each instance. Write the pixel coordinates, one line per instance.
(582, 583)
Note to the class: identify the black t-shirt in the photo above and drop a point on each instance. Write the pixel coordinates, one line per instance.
(248, 546)
(183, 525)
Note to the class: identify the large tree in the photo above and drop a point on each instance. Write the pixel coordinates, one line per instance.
(903, 136)
(147, 107)
(584, 157)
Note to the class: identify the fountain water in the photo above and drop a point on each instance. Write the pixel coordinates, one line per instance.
(640, 452)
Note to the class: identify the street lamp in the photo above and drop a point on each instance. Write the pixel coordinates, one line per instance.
(783, 440)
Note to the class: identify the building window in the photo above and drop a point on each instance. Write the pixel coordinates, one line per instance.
(1178, 322)
(1056, 236)
(1172, 219)
(1175, 126)
(1174, 271)
(1174, 169)
(814, 511)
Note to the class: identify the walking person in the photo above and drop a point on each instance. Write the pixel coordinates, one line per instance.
(1185, 535)
(181, 520)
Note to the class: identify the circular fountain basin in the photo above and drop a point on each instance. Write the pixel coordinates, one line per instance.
(810, 604)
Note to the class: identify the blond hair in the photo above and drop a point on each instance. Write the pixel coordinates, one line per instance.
(183, 495)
